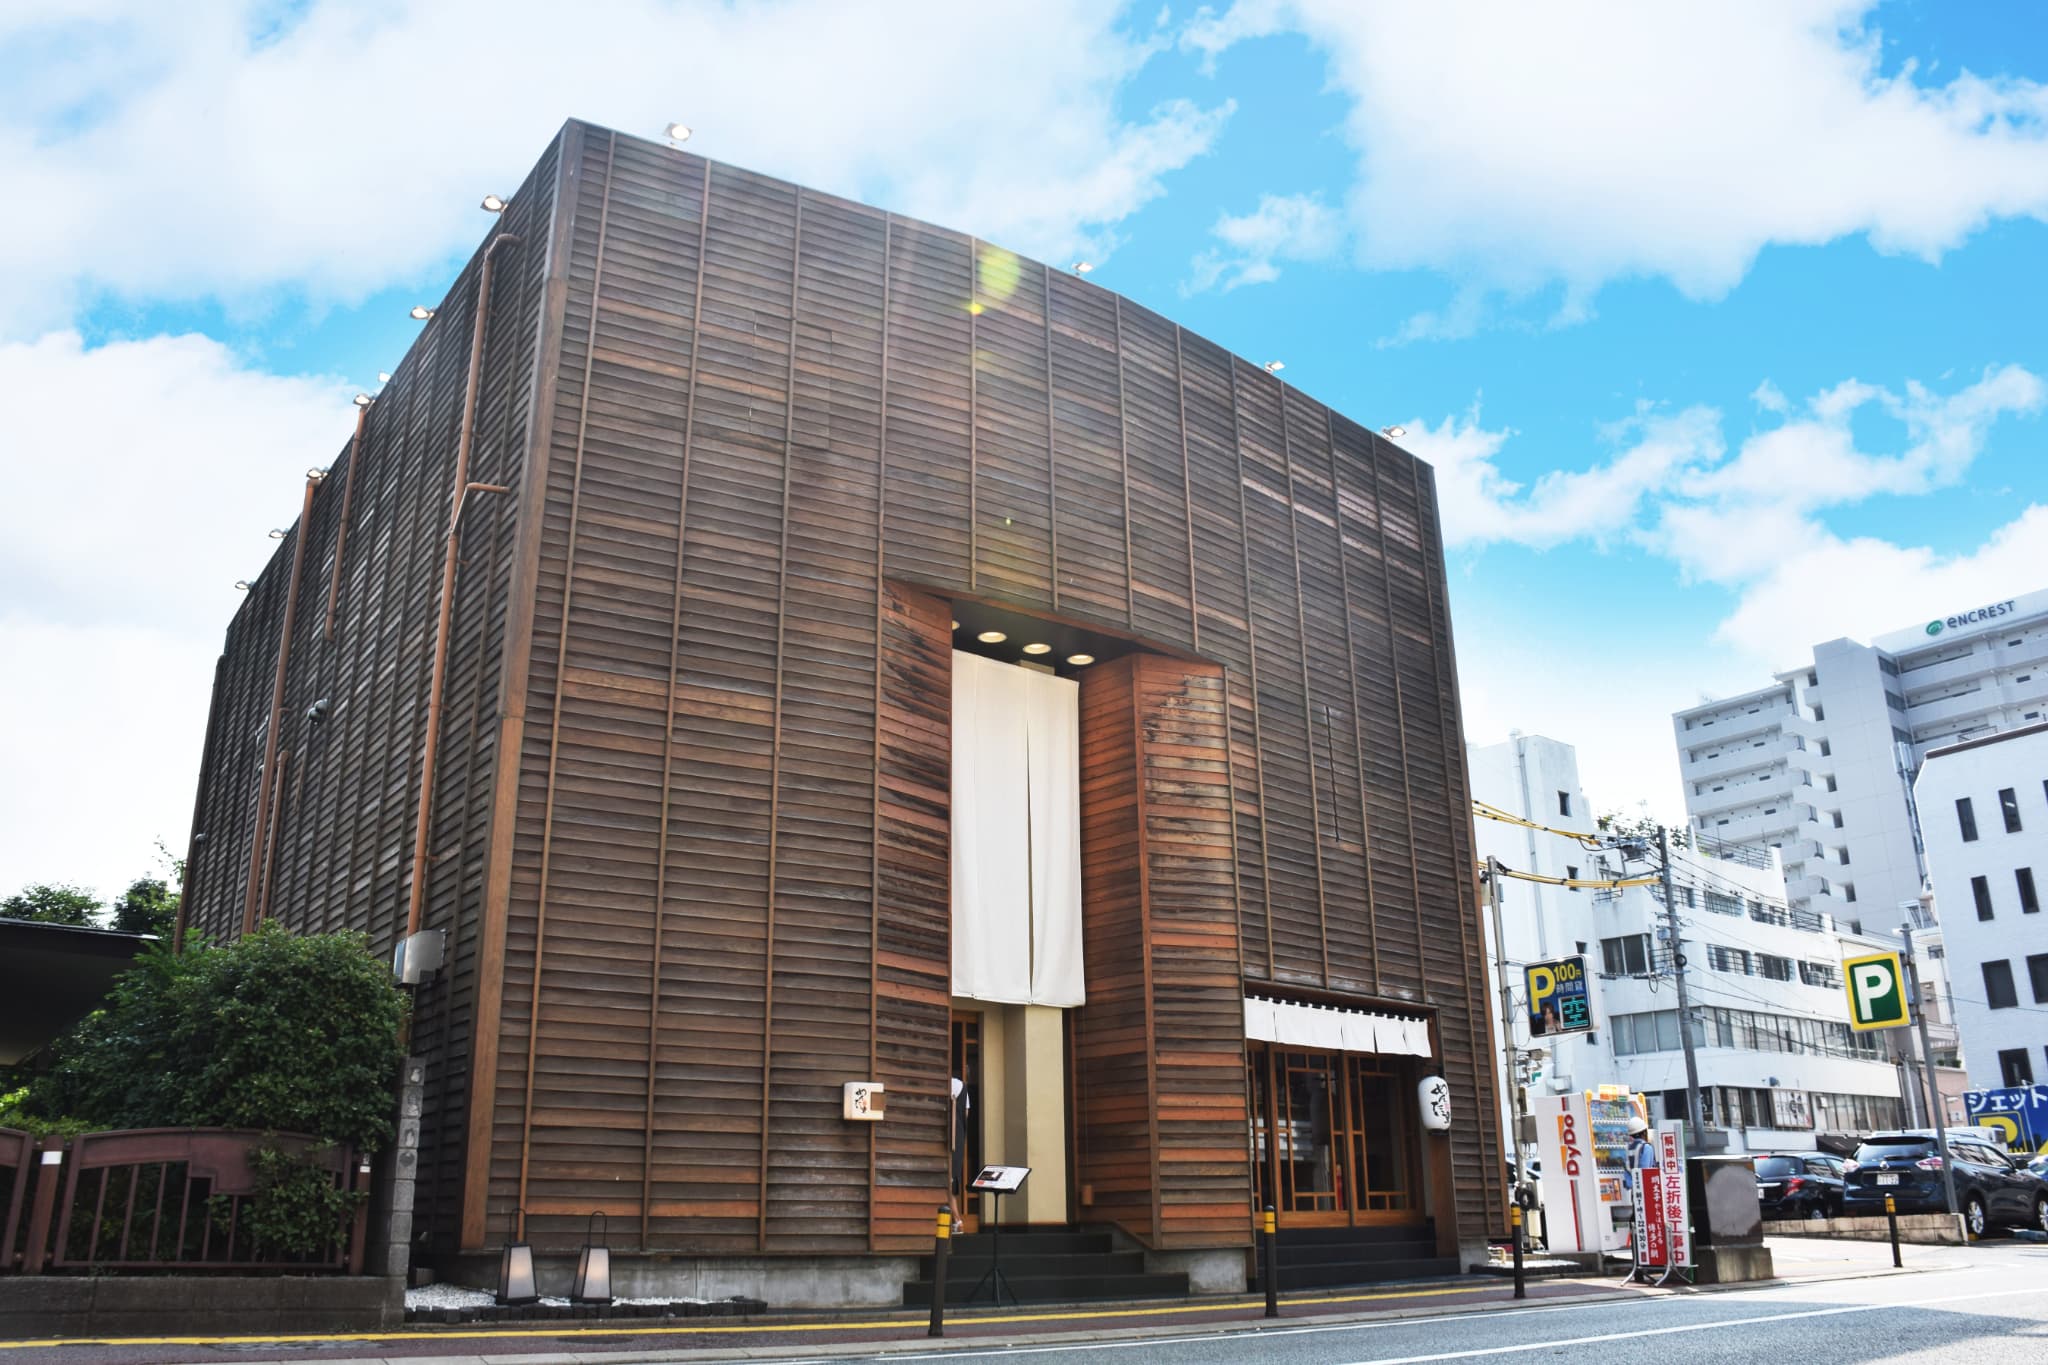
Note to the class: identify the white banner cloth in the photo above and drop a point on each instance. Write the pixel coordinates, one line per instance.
(1016, 834)
(1338, 1030)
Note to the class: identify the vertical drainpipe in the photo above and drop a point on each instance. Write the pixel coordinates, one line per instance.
(266, 812)
(348, 495)
(431, 751)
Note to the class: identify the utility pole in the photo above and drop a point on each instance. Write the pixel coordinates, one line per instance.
(1509, 1102)
(1919, 1007)
(1694, 1124)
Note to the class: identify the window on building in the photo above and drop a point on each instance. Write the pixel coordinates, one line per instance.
(1831, 782)
(1966, 817)
(2030, 902)
(1571, 874)
(1836, 816)
(1819, 714)
(2015, 1067)
(2037, 977)
(1628, 955)
(1998, 987)
(1848, 891)
(1820, 974)
(1825, 752)
(2009, 807)
(1980, 891)
(1774, 968)
(1723, 959)
(1564, 803)
(1842, 854)
(1685, 897)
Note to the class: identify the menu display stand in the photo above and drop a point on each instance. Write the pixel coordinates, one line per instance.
(996, 1181)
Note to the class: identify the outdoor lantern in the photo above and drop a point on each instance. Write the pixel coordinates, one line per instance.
(594, 1266)
(1434, 1096)
(515, 1269)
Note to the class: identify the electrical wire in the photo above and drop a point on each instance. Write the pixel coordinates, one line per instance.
(1480, 808)
(1576, 883)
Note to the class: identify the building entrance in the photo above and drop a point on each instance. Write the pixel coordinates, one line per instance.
(1333, 1137)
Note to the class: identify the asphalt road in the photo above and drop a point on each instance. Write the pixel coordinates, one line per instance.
(1994, 1309)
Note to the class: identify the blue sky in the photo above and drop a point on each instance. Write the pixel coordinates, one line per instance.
(1721, 323)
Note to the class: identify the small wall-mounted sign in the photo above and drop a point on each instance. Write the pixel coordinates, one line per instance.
(863, 1100)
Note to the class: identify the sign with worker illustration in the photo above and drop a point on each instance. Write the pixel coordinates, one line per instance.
(1559, 1002)
(1876, 983)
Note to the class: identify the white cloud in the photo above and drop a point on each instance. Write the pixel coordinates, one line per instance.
(175, 151)
(1532, 145)
(134, 491)
(1481, 504)
(1293, 227)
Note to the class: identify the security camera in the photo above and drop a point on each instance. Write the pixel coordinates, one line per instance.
(317, 712)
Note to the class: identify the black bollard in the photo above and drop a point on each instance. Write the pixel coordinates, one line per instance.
(943, 1235)
(1268, 1234)
(1891, 1216)
(1515, 1232)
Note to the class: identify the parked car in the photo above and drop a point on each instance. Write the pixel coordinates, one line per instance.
(1799, 1184)
(1991, 1188)
(2039, 1165)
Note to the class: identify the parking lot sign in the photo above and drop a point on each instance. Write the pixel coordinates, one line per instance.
(1876, 983)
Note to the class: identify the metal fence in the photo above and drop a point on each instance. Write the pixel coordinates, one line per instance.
(161, 1199)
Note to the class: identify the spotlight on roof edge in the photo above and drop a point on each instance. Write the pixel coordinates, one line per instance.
(241, 585)
(1274, 366)
(362, 400)
(1082, 267)
(383, 378)
(492, 204)
(677, 132)
(276, 533)
(421, 312)
(1396, 432)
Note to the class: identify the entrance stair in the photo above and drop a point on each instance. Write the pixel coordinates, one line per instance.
(1326, 1258)
(1044, 1265)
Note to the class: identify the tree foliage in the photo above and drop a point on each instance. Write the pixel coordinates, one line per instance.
(274, 1031)
(53, 903)
(148, 906)
(1641, 827)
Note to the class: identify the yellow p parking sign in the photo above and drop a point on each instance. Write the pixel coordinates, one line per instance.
(1876, 983)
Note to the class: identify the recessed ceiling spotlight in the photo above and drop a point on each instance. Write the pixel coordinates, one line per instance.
(421, 312)
(362, 400)
(1274, 366)
(956, 625)
(1037, 648)
(1396, 432)
(1080, 660)
(677, 132)
(493, 204)
(991, 637)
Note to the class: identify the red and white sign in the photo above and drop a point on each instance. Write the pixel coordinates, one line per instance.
(1676, 1208)
(1572, 1217)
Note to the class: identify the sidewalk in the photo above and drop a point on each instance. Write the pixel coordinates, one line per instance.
(625, 1341)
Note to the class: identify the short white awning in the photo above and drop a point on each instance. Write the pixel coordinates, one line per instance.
(1340, 1030)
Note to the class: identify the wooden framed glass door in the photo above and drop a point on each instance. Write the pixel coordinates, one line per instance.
(1332, 1137)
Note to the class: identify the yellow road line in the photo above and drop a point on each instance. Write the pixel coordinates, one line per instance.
(603, 1327)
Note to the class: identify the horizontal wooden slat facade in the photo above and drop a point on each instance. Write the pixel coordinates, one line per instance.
(758, 437)
(1159, 1048)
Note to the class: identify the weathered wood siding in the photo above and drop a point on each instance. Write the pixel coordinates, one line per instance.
(772, 433)
(1159, 1047)
(350, 786)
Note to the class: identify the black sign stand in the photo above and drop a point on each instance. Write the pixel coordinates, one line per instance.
(996, 1181)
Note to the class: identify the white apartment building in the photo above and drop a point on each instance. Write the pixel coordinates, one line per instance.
(1984, 811)
(1819, 764)
(1778, 1064)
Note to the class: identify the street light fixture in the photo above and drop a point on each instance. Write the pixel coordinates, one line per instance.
(677, 133)
(1273, 366)
(1397, 432)
(493, 204)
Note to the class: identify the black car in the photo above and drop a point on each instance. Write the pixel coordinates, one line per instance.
(1991, 1189)
(1799, 1184)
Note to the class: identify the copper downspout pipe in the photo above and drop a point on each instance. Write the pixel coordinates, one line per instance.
(348, 495)
(431, 752)
(265, 809)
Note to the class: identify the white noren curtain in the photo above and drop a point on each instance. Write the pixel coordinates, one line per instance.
(1016, 834)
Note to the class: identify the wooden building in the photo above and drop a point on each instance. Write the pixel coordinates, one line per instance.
(652, 560)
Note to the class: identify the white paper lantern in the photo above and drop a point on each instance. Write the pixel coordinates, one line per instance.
(1434, 1098)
